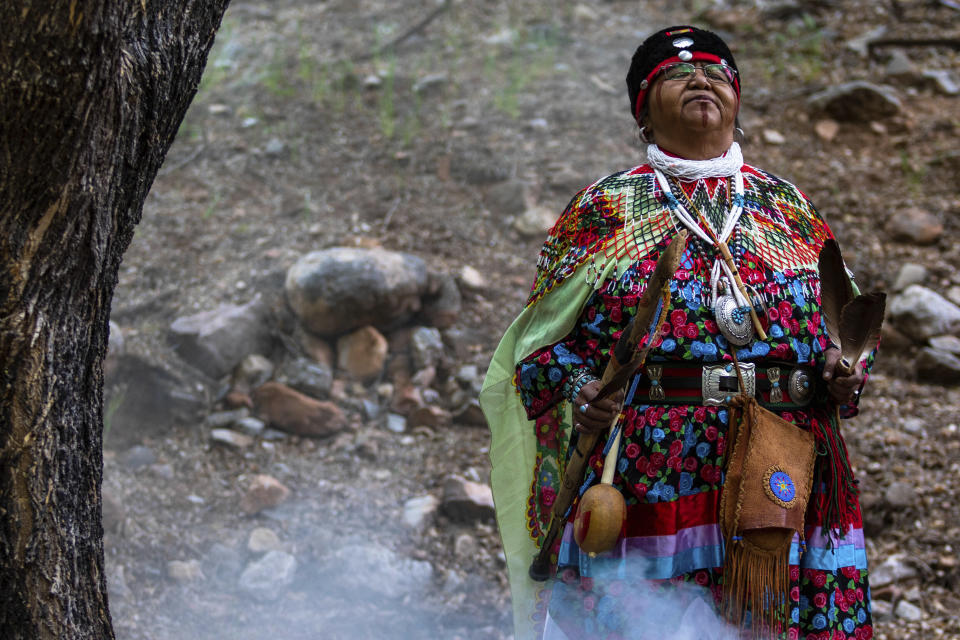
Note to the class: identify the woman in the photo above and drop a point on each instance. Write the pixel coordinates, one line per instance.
(684, 90)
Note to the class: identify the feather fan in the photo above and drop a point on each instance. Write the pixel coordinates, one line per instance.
(860, 322)
(835, 288)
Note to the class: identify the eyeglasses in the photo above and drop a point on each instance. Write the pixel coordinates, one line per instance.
(714, 72)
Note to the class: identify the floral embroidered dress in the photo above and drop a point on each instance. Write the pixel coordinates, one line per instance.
(591, 272)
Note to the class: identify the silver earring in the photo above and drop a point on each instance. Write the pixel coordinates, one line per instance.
(743, 136)
(643, 135)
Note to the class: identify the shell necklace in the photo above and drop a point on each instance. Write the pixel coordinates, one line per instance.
(732, 309)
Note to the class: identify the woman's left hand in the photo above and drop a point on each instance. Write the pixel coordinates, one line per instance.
(843, 389)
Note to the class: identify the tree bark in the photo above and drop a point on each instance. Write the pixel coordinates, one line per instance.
(91, 96)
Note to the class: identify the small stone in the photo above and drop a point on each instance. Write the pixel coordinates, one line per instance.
(465, 546)
(441, 307)
(535, 221)
(470, 413)
(908, 611)
(265, 492)
(306, 376)
(881, 610)
(231, 438)
(275, 147)
(362, 353)
(900, 495)
(914, 225)
(900, 68)
(827, 129)
(138, 456)
(262, 539)
(429, 416)
(953, 294)
(472, 279)
(266, 578)
(252, 372)
(943, 81)
(416, 511)
(892, 570)
(426, 347)
(185, 571)
(293, 412)
(507, 198)
(406, 399)
(430, 83)
(396, 423)
(771, 136)
(909, 274)
(225, 419)
(467, 502)
(251, 426)
(914, 426)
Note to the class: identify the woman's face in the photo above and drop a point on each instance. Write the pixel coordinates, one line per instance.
(691, 107)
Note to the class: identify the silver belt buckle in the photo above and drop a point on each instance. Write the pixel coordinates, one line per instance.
(716, 386)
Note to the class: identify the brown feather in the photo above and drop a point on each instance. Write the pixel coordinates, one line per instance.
(835, 287)
(860, 324)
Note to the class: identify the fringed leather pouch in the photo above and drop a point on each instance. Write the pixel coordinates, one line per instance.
(769, 477)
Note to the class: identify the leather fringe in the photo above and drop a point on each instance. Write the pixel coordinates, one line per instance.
(756, 581)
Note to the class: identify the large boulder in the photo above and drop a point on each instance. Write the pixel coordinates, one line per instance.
(922, 313)
(337, 290)
(858, 101)
(216, 341)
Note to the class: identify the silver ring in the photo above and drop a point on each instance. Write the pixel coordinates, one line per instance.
(583, 408)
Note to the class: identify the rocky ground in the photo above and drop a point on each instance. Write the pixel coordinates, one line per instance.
(456, 131)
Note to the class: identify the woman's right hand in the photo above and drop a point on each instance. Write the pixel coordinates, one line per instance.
(598, 415)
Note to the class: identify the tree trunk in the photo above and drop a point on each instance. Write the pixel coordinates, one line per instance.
(91, 96)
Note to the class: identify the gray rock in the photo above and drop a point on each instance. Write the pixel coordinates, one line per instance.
(953, 294)
(909, 274)
(894, 569)
(426, 347)
(535, 222)
(922, 313)
(946, 344)
(367, 567)
(900, 495)
(881, 610)
(306, 376)
(275, 147)
(231, 438)
(225, 419)
(943, 81)
(467, 502)
(417, 511)
(337, 290)
(251, 426)
(144, 400)
(441, 305)
(222, 562)
(265, 579)
(396, 423)
(185, 570)
(217, 341)
(908, 611)
(263, 539)
(900, 68)
(138, 456)
(914, 426)
(470, 413)
(507, 198)
(937, 366)
(431, 83)
(857, 101)
(252, 372)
